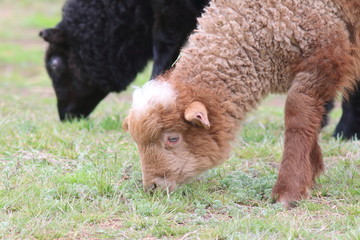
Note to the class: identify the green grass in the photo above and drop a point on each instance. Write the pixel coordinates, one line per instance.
(82, 180)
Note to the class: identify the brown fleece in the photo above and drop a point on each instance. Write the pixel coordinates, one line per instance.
(241, 51)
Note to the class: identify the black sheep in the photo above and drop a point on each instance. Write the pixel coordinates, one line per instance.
(100, 45)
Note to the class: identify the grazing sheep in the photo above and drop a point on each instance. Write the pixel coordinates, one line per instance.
(243, 50)
(84, 68)
(100, 45)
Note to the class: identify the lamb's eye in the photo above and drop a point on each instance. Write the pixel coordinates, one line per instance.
(173, 139)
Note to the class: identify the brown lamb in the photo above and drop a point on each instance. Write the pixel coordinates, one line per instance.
(184, 122)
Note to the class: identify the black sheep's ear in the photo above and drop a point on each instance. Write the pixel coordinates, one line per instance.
(53, 35)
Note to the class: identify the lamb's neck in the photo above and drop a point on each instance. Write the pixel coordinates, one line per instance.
(236, 90)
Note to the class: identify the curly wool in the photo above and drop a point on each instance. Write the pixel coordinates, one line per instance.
(244, 50)
(106, 23)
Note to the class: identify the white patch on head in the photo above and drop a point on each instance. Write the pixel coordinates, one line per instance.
(152, 93)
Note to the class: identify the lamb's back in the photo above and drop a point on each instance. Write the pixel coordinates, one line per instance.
(255, 44)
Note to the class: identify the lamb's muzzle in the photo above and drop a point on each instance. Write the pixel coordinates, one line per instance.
(160, 184)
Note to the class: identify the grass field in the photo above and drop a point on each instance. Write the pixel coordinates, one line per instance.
(82, 180)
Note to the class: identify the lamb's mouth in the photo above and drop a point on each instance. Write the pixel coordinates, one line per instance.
(160, 184)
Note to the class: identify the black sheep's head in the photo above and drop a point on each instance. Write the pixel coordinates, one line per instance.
(76, 96)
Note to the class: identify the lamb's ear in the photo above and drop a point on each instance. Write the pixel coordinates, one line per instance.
(125, 124)
(197, 114)
(53, 35)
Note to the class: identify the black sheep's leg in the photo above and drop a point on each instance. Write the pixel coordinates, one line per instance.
(166, 48)
(173, 22)
(168, 35)
(349, 125)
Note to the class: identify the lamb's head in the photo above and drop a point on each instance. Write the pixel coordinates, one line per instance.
(175, 142)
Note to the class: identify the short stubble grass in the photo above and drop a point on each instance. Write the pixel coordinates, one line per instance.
(83, 179)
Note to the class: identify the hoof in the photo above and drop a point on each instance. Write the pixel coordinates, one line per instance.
(288, 204)
(291, 200)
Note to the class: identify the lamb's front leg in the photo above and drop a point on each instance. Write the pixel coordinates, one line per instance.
(302, 160)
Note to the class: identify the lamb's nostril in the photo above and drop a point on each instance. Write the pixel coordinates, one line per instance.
(153, 186)
(150, 188)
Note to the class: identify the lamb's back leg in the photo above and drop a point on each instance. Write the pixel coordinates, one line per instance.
(328, 107)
